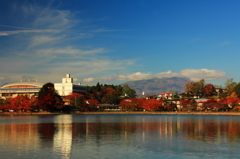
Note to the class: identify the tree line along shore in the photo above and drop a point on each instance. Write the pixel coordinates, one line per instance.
(122, 99)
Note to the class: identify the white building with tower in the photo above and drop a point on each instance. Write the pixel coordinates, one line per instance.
(67, 87)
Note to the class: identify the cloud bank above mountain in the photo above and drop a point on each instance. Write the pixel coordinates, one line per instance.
(192, 74)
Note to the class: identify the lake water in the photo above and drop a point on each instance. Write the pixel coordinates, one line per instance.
(119, 136)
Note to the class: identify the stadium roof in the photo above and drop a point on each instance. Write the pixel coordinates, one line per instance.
(24, 84)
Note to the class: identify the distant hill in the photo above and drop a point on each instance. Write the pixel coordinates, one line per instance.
(158, 85)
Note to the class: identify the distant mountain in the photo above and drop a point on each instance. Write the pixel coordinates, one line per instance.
(158, 85)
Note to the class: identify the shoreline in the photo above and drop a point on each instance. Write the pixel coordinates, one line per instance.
(166, 113)
(123, 113)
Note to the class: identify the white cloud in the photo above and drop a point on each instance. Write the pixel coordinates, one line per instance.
(44, 50)
(70, 51)
(3, 34)
(88, 79)
(6, 33)
(203, 74)
(135, 76)
(193, 74)
(38, 40)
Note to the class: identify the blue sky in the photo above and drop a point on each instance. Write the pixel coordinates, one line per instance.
(114, 41)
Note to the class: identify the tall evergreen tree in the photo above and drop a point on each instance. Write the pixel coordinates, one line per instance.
(98, 87)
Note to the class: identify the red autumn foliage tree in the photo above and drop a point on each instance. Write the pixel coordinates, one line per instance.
(221, 104)
(231, 101)
(110, 96)
(152, 104)
(209, 90)
(210, 104)
(91, 103)
(19, 103)
(49, 99)
(132, 104)
(185, 103)
(128, 105)
(73, 97)
(138, 101)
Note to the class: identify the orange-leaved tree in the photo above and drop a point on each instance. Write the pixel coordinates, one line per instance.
(231, 101)
(152, 104)
(128, 105)
(209, 90)
(19, 103)
(132, 104)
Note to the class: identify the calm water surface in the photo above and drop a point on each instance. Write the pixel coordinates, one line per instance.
(119, 136)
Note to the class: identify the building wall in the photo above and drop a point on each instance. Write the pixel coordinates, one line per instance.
(67, 87)
(63, 89)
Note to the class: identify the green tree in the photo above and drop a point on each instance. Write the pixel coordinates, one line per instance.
(80, 105)
(98, 87)
(230, 84)
(129, 92)
(119, 88)
(237, 89)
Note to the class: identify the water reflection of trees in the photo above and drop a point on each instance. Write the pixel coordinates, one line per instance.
(199, 129)
(211, 129)
(19, 136)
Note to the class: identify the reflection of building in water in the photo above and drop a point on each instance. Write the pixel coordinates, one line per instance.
(62, 141)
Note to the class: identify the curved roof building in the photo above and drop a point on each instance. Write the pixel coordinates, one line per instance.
(31, 88)
(23, 84)
(24, 87)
